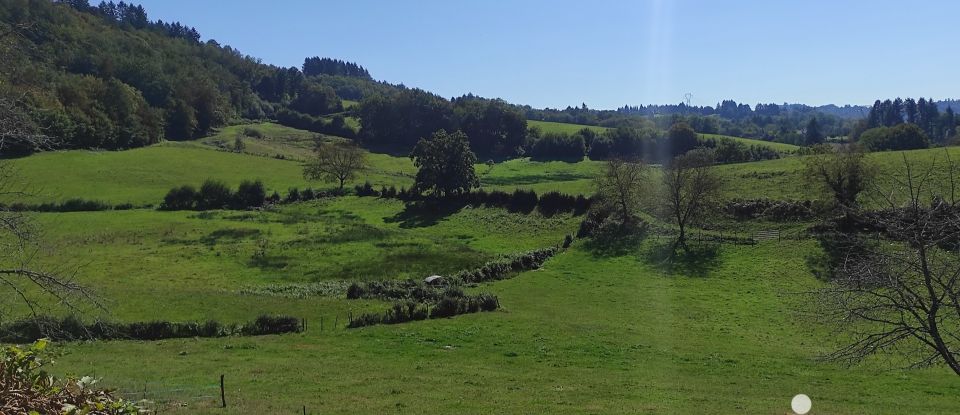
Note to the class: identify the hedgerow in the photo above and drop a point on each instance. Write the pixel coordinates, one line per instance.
(70, 329)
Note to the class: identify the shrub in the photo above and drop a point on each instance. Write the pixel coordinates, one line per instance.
(523, 200)
(558, 146)
(567, 241)
(293, 195)
(402, 312)
(26, 388)
(180, 198)
(70, 329)
(308, 194)
(555, 202)
(214, 194)
(266, 324)
(275, 197)
(366, 189)
(250, 194)
(252, 132)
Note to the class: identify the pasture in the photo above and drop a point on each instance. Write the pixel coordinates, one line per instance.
(559, 127)
(779, 147)
(599, 329)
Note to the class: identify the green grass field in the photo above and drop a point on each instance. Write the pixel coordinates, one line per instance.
(600, 329)
(781, 147)
(559, 127)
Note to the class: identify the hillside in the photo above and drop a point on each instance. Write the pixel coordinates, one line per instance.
(599, 327)
(779, 147)
(142, 176)
(200, 232)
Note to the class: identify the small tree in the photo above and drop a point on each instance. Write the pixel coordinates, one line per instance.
(902, 295)
(691, 186)
(335, 163)
(214, 194)
(682, 138)
(841, 174)
(813, 135)
(250, 194)
(180, 198)
(445, 164)
(621, 185)
(238, 144)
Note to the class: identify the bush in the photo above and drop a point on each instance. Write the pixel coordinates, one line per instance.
(180, 198)
(26, 388)
(523, 201)
(250, 195)
(252, 132)
(555, 202)
(558, 146)
(266, 324)
(402, 312)
(275, 197)
(214, 194)
(365, 190)
(781, 210)
(70, 329)
(293, 195)
(899, 137)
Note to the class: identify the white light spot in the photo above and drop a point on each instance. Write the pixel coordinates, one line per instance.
(801, 404)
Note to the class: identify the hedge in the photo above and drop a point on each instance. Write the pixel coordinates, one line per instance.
(70, 328)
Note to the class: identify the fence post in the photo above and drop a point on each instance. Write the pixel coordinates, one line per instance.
(304, 410)
(223, 396)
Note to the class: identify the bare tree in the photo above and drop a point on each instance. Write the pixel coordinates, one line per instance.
(335, 163)
(901, 293)
(621, 185)
(20, 248)
(691, 187)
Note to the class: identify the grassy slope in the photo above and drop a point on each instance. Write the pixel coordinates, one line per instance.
(784, 178)
(587, 334)
(593, 332)
(168, 260)
(559, 127)
(144, 175)
(782, 147)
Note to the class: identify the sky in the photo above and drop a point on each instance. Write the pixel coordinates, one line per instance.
(607, 54)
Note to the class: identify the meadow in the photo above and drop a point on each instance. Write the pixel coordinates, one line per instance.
(779, 147)
(599, 329)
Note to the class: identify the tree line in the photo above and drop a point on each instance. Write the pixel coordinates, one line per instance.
(903, 124)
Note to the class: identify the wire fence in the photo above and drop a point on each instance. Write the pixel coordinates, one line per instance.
(163, 397)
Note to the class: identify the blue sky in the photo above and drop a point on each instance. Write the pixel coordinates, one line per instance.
(609, 53)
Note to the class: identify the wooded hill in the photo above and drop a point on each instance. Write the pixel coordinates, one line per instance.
(108, 77)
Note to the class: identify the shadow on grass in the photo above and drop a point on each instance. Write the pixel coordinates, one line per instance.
(424, 213)
(615, 242)
(268, 262)
(528, 179)
(695, 261)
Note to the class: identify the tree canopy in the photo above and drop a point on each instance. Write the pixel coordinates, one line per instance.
(445, 164)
